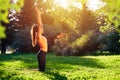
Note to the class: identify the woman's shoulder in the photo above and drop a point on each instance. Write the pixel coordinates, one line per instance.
(44, 38)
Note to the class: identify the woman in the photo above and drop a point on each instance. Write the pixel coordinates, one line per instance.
(37, 37)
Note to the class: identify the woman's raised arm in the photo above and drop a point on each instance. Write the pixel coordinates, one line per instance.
(39, 20)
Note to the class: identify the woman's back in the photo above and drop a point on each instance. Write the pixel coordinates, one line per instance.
(42, 41)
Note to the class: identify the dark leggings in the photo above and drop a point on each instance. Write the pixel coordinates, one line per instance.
(41, 60)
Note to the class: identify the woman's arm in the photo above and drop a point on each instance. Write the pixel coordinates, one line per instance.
(39, 21)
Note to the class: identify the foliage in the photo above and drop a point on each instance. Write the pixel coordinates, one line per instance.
(22, 24)
(53, 25)
(22, 41)
(27, 15)
(87, 20)
(81, 42)
(4, 11)
(61, 44)
(79, 36)
(19, 67)
(75, 23)
(112, 10)
(79, 45)
(88, 43)
(50, 32)
(111, 42)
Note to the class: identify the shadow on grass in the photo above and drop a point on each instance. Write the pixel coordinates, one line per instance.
(8, 75)
(55, 75)
(67, 62)
(58, 62)
(25, 60)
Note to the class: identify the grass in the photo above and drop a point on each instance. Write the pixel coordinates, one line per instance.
(24, 67)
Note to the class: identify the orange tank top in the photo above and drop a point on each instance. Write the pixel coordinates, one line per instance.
(42, 41)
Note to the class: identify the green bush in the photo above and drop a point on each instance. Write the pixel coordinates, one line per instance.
(88, 42)
(61, 44)
(111, 42)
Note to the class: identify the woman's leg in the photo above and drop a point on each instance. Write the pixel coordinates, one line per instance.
(42, 60)
(39, 62)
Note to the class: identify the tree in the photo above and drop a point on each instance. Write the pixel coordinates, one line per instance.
(87, 21)
(4, 11)
(81, 34)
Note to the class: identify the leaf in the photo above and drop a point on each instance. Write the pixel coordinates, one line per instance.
(16, 6)
(116, 23)
(2, 32)
(4, 17)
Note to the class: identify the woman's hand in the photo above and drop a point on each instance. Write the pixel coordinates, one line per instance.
(37, 10)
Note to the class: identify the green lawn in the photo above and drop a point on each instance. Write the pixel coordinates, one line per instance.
(24, 67)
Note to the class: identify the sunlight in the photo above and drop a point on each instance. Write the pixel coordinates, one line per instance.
(66, 4)
(92, 4)
(62, 3)
(14, 1)
(95, 4)
(77, 5)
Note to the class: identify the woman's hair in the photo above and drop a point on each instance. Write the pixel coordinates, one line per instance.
(34, 30)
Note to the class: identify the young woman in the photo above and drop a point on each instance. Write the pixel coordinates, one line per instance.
(37, 37)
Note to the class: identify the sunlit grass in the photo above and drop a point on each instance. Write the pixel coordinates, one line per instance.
(24, 67)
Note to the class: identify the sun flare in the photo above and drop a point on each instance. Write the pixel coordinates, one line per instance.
(62, 3)
(91, 4)
(95, 4)
(14, 1)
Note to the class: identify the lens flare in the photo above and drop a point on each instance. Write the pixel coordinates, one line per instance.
(62, 3)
